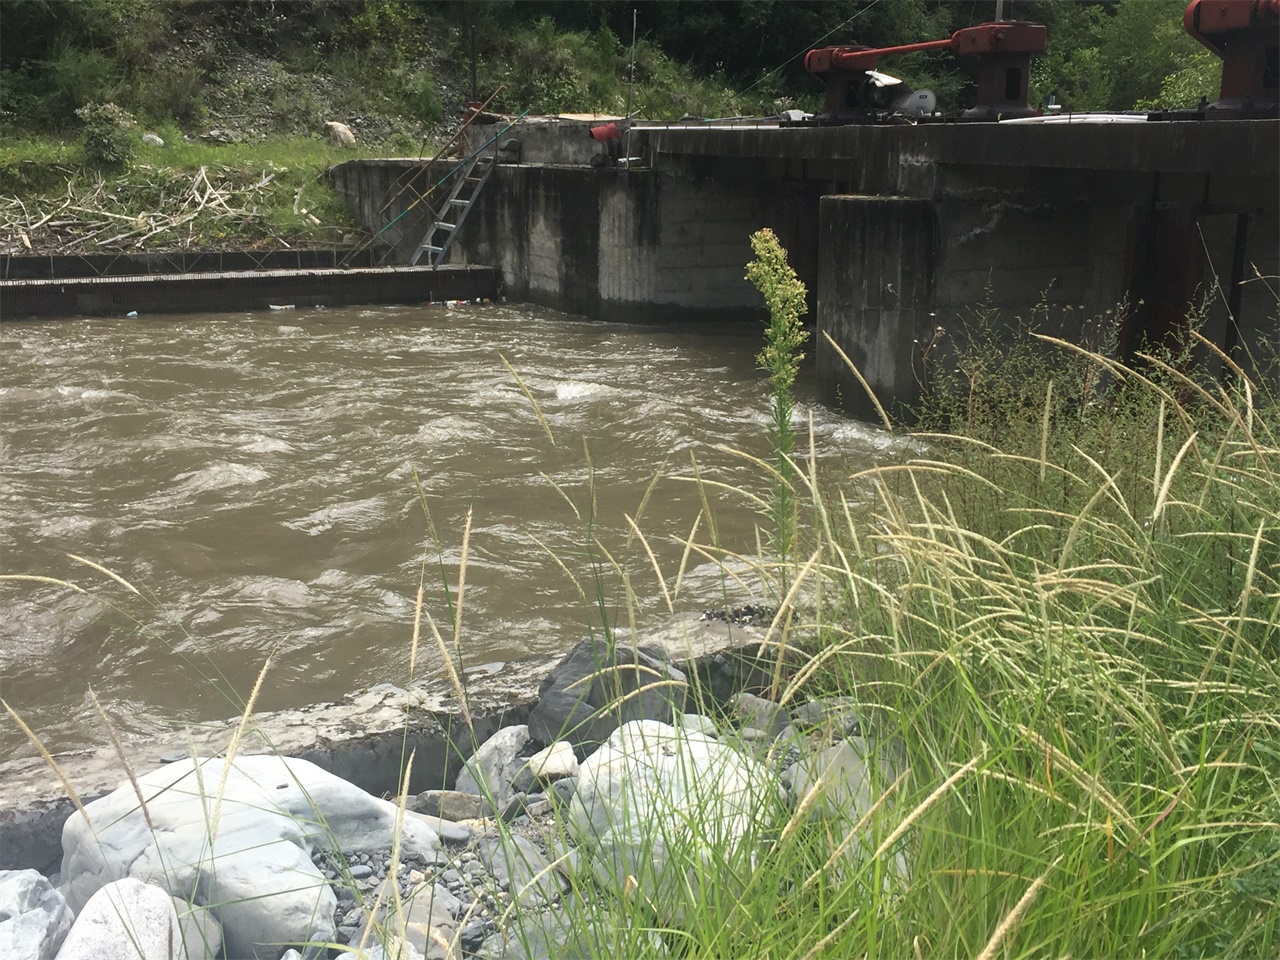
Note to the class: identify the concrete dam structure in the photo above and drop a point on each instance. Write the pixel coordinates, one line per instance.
(897, 230)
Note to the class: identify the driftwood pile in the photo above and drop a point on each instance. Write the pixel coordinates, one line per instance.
(157, 208)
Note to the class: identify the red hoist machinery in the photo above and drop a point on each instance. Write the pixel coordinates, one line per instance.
(1245, 34)
(858, 93)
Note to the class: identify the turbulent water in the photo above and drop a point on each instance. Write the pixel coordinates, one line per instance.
(252, 477)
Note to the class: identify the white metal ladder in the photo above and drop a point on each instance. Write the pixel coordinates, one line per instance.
(468, 182)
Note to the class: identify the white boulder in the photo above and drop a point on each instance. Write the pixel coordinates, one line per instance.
(846, 779)
(201, 932)
(34, 917)
(126, 920)
(490, 770)
(340, 134)
(555, 762)
(396, 949)
(252, 868)
(658, 806)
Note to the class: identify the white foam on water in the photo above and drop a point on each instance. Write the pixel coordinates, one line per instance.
(584, 390)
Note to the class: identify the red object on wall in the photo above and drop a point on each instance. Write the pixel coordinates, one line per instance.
(1246, 35)
(605, 132)
(1003, 49)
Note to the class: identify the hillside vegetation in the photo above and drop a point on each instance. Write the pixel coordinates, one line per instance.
(243, 88)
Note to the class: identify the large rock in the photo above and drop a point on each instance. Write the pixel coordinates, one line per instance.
(490, 770)
(126, 920)
(554, 763)
(255, 873)
(519, 866)
(201, 931)
(451, 805)
(574, 933)
(430, 926)
(395, 949)
(658, 806)
(34, 917)
(849, 784)
(425, 923)
(847, 778)
(760, 714)
(596, 688)
(340, 134)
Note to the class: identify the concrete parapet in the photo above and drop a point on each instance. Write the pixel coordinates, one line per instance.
(241, 290)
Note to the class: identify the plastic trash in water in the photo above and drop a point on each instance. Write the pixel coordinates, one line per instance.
(282, 306)
(132, 313)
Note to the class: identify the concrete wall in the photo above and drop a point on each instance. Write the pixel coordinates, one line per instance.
(384, 197)
(634, 244)
(1070, 218)
(895, 270)
(876, 297)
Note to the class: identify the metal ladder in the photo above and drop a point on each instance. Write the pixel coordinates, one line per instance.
(469, 180)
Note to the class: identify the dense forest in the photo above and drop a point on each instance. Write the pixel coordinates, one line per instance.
(171, 60)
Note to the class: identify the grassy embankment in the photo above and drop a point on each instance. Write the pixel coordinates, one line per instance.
(183, 196)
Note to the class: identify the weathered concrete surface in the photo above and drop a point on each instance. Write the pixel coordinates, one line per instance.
(879, 308)
(240, 290)
(635, 245)
(884, 159)
(547, 140)
(365, 739)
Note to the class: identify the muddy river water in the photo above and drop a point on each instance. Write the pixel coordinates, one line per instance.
(252, 477)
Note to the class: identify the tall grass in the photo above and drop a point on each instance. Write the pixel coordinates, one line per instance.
(1065, 645)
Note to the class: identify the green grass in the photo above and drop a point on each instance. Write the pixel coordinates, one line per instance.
(550, 71)
(273, 189)
(1068, 641)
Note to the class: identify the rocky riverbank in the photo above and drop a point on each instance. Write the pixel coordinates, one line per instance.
(630, 780)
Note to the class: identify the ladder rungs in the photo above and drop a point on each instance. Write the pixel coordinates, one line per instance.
(441, 225)
(459, 203)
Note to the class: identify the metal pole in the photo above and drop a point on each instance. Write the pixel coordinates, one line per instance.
(631, 77)
(999, 10)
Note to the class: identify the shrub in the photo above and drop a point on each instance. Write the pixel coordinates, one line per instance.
(72, 76)
(108, 139)
(418, 95)
(784, 294)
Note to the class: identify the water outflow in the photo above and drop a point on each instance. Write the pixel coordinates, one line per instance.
(253, 477)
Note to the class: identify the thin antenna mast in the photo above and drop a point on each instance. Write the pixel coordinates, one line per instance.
(631, 77)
